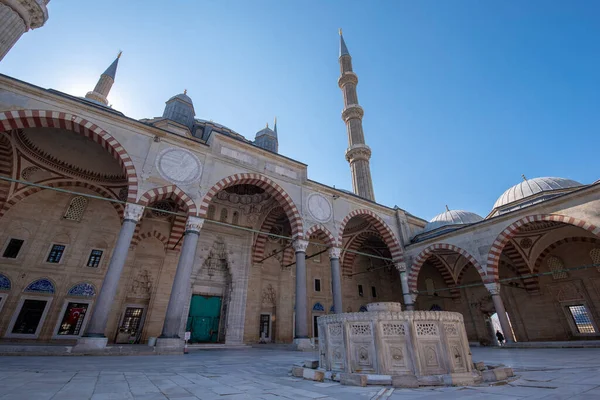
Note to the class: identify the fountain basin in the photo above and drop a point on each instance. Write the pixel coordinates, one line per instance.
(385, 340)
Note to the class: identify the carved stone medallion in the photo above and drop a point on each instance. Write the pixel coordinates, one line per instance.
(179, 166)
(319, 207)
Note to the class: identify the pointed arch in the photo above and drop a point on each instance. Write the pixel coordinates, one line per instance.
(426, 252)
(60, 183)
(150, 234)
(5, 283)
(261, 239)
(42, 285)
(321, 232)
(170, 192)
(384, 230)
(54, 119)
(578, 239)
(509, 232)
(347, 258)
(82, 289)
(6, 167)
(269, 186)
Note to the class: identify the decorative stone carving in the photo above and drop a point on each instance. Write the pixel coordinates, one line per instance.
(40, 286)
(335, 252)
(194, 224)
(179, 166)
(493, 288)
(141, 285)
(319, 207)
(216, 262)
(363, 356)
(394, 329)
(335, 330)
(426, 329)
(360, 329)
(269, 296)
(133, 212)
(401, 266)
(451, 329)
(397, 357)
(300, 245)
(431, 357)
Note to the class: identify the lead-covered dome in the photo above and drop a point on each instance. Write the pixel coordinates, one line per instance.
(452, 217)
(530, 187)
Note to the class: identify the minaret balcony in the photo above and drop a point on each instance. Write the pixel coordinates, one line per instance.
(347, 77)
(358, 152)
(352, 111)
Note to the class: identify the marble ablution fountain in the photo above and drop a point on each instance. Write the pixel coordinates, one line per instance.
(430, 346)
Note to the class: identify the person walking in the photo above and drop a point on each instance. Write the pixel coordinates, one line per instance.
(500, 337)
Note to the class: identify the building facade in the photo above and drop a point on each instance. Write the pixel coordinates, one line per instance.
(117, 230)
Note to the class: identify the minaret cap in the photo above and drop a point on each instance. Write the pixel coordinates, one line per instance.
(343, 48)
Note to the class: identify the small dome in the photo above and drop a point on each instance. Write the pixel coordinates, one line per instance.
(529, 187)
(452, 217)
(183, 97)
(266, 131)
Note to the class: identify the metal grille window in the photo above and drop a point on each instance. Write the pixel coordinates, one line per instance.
(317, 285)
(582, 319)
(95, 257)
(360, 291)
(595, 255)
(76, 208)
(13, 248)
(131, 320)
(556, 265)
(55, 253)
(373, 291)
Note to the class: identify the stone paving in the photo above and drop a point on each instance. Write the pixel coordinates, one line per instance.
(255, 373)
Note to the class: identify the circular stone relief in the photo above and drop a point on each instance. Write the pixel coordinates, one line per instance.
(319, 207)
(179, 166)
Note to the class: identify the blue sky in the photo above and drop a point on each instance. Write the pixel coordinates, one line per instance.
(460, 97)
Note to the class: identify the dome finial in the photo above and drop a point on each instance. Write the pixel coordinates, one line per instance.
(267, 124)
(447, 209)
(119, 55)
(185, 91)
(340, 31)
(524, 178)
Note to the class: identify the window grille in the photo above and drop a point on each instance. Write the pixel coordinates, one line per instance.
(582, 319)
(94, 259)
(223, 215)
(210, 214)
(13, 248)
(595, 255)
(76, 208)
(556, 265)
(55, 253)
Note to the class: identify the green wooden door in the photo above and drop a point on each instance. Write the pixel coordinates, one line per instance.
(203, 320)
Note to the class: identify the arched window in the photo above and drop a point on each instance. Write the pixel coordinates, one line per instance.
(362, 309)
(430, 286)
(40, 286)
(4, 283)
(331, 309)
(318, 307)
(83, 289)
(435, 307)
(556, 265)
(223, 215)
(595, 255)
(210, 214)
(235, 219)
(76, 208)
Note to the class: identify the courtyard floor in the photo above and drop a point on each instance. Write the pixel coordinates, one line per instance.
(254, 373)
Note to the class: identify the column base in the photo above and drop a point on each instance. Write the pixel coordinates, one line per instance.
(91, 343)
(303, 344)
(169, 344)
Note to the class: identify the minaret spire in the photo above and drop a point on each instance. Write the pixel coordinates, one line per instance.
(100, 92)
(358, 153)
(275, 126)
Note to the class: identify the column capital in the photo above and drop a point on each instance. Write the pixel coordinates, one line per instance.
(401, 266)
(194, 224)
(133, 212)
(413, 296)
(334, 252)
(300, 245)
(493, 288)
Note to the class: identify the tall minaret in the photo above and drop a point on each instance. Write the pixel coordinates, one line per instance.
(100, 92)
(18, 17)
(358, 153)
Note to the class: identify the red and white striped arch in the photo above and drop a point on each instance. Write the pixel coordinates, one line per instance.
(322, 233)
(150, 234)
(261, 239)
(384, 230)
(170, 192)
(269, 186)
(558, 243)
(59, 183)
(54, 119)
(428, 251)
(355, 243)
(493, 259)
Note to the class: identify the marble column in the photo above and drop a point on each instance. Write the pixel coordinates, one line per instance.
(336, 279)
(408, 300)
(181, 284)
(94, 336)
(301, 340)
(494, 289)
